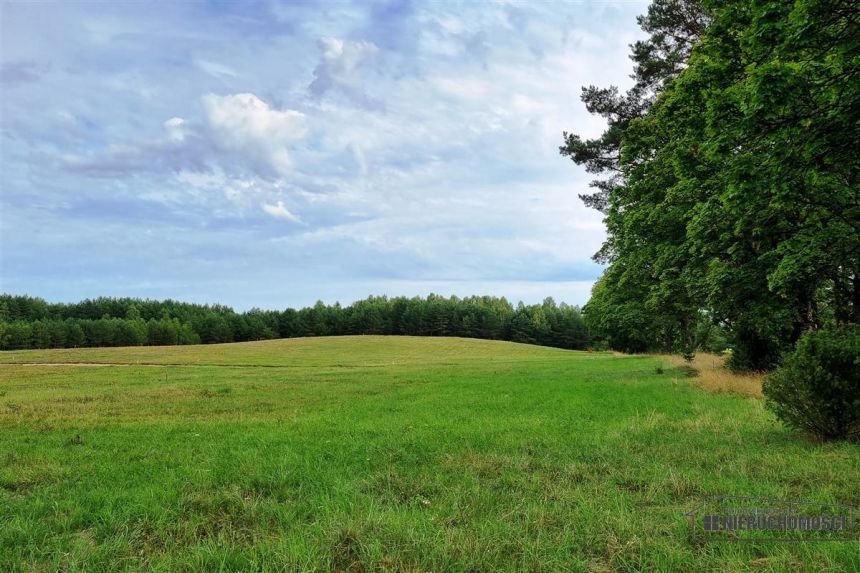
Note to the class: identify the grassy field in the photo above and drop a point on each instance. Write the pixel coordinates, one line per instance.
(389, 454)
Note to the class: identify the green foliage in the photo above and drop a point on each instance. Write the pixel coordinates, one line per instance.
(732, 192)
(214, 329)
(817, 388)
(131, 322)
(617, 318)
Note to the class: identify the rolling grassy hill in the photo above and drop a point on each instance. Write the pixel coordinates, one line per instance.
(387, 453)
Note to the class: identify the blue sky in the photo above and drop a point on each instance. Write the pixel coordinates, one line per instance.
(269, 155)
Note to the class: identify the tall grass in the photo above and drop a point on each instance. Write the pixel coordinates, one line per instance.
(708, 372)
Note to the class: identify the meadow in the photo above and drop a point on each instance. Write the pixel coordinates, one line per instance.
(376, 453)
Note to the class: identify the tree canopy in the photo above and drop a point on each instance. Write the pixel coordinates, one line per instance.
(732, 188)
(27, 322)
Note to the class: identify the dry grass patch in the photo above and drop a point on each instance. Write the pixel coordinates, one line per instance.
(712, 375)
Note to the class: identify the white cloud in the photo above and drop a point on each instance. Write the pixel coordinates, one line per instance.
(245, 124)
(340, 68)
(279, 211)
(176, 129)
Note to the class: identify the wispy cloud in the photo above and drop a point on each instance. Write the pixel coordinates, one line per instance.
(279, 211)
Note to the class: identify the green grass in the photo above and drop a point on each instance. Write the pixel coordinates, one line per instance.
(397, 454)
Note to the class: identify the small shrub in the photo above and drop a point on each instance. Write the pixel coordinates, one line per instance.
(817, 388)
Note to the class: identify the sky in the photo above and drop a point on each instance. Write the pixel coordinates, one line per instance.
(271, 155)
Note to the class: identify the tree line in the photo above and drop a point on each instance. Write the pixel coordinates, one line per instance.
(729, 178)
(28, 322)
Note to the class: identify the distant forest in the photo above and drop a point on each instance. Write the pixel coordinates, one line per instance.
(28, 322)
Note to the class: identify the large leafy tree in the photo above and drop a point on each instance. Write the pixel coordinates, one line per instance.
(648, 278)
(735, 191)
